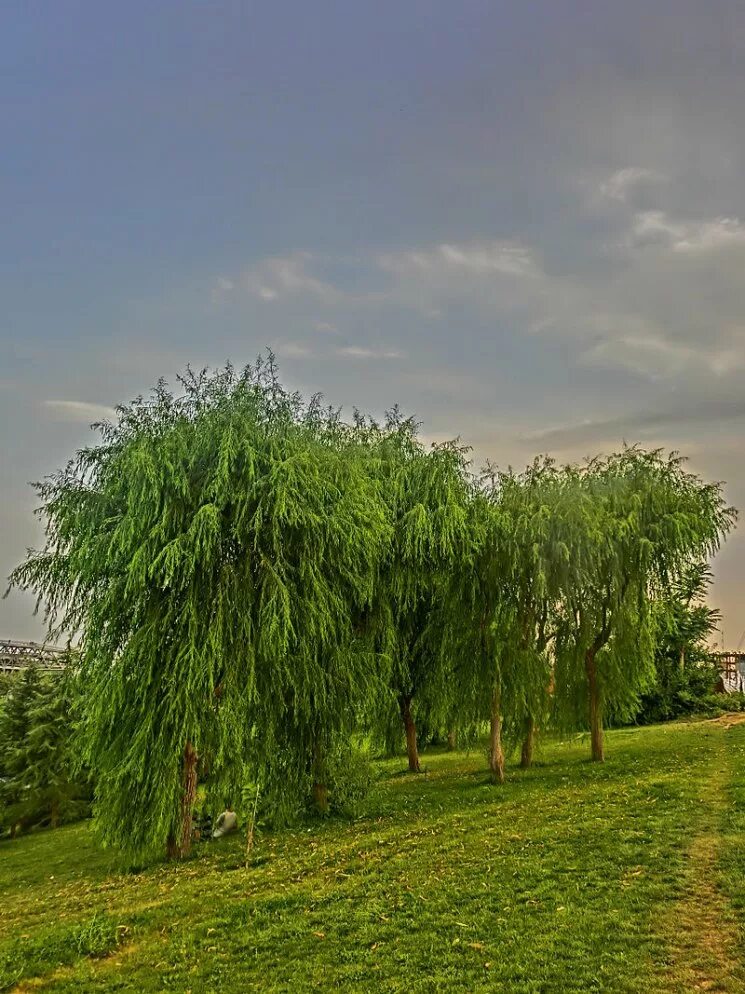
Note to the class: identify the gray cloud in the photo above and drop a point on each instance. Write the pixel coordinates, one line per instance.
(293, 350)
(477, 259)
(361, 352)
(278, 277)
(656, 228)
(325, 328)
(623, 182)
(79, 411)
(683, 415)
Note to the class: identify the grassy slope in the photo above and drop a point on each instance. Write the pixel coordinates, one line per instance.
(573, 877)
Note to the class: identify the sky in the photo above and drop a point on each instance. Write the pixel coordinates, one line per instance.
(522, 222)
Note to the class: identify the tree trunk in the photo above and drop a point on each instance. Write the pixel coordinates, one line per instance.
(496, 753)
(171, 847)
(452, 741)
(410, 729)
(526, 756)
(54, 815)
(596, 717)
(320, 787)
(179, 847)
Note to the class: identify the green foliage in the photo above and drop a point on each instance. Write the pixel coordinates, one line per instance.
(498, 619)
(427, 494)
(19, 698)
(40, 780)
(636, 522)
(351, 778)
(212, 552)
(287, 798)
(686, 672)
(255, 583)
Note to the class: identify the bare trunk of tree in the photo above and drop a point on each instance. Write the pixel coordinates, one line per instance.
(180, 846)
(526, 756)
(596, 717)
(410, 729)
(320, 787)
(496, 753)
(452, 740)
(54, 815)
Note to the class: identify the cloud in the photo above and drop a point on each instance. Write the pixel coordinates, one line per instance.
(79, 411)
(300, 350)
(358, 352)
(658, 357)
(471, 258)
(277, 277)
(656, 228)
(659, 297)
(417, 277)
(646, 355)
(266, 293)
(288, 275)
(221, 288)
(293, 350)
(486, 277)
(701, 411)
(620, 184)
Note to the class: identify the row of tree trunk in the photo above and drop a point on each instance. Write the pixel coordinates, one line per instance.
(179, 843)
(496, 750)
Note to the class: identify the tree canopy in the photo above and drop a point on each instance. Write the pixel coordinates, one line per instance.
(638, 520)
(209, 552)
(427, 493)
(255, 584)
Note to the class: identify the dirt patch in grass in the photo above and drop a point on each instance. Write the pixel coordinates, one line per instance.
(703, 926)
(730, 720)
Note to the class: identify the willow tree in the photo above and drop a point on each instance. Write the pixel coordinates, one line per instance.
(635, 523)
(533, 558)
(472, 634)
(427, 493)
(500, 606)
(209, 553)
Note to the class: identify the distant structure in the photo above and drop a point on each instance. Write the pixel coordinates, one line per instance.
(16, 656)
(732, 671)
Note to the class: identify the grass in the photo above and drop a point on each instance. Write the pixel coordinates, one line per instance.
(573, 877)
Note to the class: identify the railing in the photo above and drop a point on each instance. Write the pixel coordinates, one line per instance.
(15, 656)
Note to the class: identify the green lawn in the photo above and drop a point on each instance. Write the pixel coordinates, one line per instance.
(572, 877)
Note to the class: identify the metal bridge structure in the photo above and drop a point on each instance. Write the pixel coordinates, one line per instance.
(17, 656)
